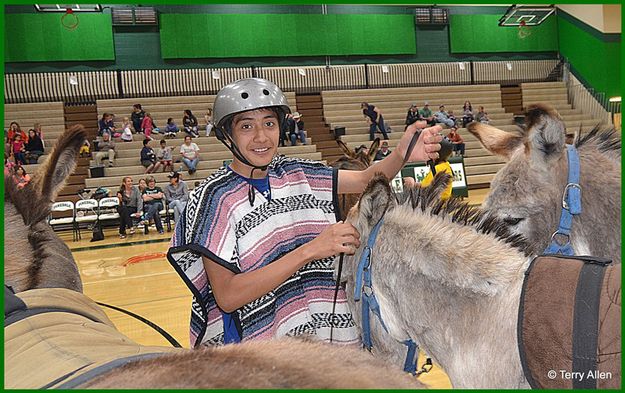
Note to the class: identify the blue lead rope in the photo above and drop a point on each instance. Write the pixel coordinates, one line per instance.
(363, 291)
(571, 206)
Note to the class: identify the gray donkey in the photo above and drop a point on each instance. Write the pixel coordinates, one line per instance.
(449, 277)
(527, 192)
(41, 270)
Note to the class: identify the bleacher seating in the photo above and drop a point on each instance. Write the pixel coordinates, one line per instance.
(49, 114)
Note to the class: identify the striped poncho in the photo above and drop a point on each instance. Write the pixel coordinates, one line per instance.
(220, 223)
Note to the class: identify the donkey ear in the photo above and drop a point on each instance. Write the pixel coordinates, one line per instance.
(51, 176)
(376, 200)
(346, 150)
(373, 149)
(547, 134)
(434, 190)
(496, 141)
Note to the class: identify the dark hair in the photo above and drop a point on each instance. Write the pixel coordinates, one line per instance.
(138, 106)
(146, 141)
(188, 112)
(163, 141)
(169, 120)
(18, 167)
(187, 136)
(278, 111)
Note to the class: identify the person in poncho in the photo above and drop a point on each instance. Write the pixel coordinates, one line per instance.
(257, 241)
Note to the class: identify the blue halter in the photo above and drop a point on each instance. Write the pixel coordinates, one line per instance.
(363, 290)
(571, 206)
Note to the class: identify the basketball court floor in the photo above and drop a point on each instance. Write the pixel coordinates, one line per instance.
(134, 274)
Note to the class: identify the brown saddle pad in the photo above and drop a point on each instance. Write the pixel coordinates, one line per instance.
(569, 326)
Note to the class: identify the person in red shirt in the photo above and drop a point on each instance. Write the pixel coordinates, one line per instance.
(457, 140)
(15, 129)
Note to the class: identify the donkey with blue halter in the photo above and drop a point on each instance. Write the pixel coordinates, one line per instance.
(451, 278)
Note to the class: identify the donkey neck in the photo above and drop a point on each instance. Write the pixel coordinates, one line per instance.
(468, 326)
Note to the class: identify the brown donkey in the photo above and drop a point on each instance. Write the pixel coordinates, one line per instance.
(57, 337)
(353, 161)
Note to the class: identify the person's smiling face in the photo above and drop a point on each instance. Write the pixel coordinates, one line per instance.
(256, 133)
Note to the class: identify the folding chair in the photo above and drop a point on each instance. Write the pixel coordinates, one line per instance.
(86, 212)
(62, 208)
(107, 209)
(168, 214)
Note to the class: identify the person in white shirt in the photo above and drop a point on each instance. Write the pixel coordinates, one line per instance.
(189, 152)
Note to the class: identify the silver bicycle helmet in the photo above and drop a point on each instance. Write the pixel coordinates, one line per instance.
(244, 95)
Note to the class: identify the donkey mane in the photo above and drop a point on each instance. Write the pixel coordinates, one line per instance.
(427, 199)
(607, 141)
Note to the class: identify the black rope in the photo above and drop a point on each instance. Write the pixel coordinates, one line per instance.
(336, 293)
(154, 326)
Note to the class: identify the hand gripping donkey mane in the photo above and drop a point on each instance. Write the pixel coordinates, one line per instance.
(50, 311)
(450, 277)
(527, 192)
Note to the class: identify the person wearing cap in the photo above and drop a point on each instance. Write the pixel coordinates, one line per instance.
(413, 115)
(456, 139)
(383, 152)
(442, 117)
(258, 239)
(426, 114)
(176, 194)
(295, 128)
(374, 117)
(441, 164)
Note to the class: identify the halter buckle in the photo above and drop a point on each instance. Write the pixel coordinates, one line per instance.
(556, 239)
(367, 290)
(565, 195)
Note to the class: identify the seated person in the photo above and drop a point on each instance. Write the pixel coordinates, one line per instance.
(105, 149)
(34, 147)
(153, 204)
(442, 117)
(164, 156)
(426, 114)
(176, 194)
(148, 157)
(456, 140)
(190, 124)
(189, 152)
(467, 113)
(412, 115)
(482, 116)
(441, 165)
(106, 125)
(296, 128)
(171, 129)
(383, 152)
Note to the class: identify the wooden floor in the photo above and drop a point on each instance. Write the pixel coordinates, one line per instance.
(133, 274)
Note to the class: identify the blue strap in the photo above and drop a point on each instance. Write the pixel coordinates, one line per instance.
(410, 365)
(365, 261)
(571, 205)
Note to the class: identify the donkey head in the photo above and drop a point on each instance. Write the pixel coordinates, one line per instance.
(527, 192)
(353, 160)
(34, 256)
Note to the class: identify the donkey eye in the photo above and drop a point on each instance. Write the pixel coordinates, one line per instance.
(512, 221)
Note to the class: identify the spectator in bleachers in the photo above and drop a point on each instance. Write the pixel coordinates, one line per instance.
(20, 176)
(362, 149)
(383, 152)
(196, 184)
(137, 116)
(165, 157)
(105, 149)
(295, 128)
(374, 118)
(208, 118)
(412, 115)
(84, 149)
(426, 114)
(171, 129)
(106, 125)
(482, 116)
(18, 149)
(39, 131)
(452, 117)
(189, 122)
(130, 205)
(148, 157)
(176, 194)
(34, 147)
(284, 130)
(14, 129)
(153, 204)
(456, 140)
(443, 117)
(126, 131)
(147, 125)
(467, 113)
(142, 185)
(189, 152)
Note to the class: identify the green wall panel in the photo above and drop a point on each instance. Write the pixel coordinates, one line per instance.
(482, 34)
(597, 61)
(41, 37)
(278, 35)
